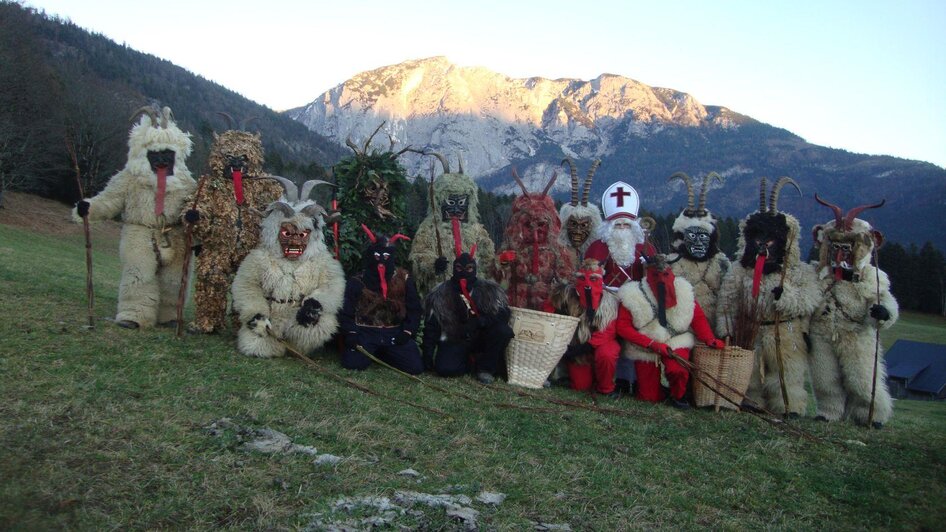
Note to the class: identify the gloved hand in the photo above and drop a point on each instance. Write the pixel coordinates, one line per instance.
(440, 265)
(575, 351)
(192, 216)
(82, 208)
(402, 337)
(507, 256)
(351, 339)
(716, 343)
(258, 325)
(778, 292)
(660, 349)
(197, 249)
(879, 313)
(309, 313)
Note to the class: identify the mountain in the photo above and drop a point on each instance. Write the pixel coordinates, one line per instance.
(642, 134)
(59, 82)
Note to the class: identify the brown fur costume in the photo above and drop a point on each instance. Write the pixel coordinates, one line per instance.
(844, 329)
(580, 219)
(529, 268)
(227, 231)
(424, 247)
(792, 296)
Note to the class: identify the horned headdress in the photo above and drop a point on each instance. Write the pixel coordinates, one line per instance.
(582, 213)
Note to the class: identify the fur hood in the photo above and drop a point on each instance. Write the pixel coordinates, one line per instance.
(591, 211)
(236, 143)
(564, 298)
(792, 254)
(861, 232)
(145, 137)
(460, 184)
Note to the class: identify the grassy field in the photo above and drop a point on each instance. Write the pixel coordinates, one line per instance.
(106, 428)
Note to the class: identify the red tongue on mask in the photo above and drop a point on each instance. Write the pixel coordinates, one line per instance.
(457, 237)
(162, 173)
(384, 281)
(838, 271)
(238, 186)
(467, 296)
(757, 275)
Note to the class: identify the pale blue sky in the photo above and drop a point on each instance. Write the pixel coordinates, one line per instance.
(867, 76)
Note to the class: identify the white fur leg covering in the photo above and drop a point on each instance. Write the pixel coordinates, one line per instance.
(858, 372)
(253, 345)
(138, 292)
(826, 379)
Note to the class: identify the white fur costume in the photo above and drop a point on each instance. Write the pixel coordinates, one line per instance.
(843, 334)
(152, 246)
(271, 286)
(639, 299)
(800, 297)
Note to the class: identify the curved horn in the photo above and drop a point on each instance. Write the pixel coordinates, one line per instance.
(473, 251)
(247, 122)
(146, 110)
(515, 175)
(762, 195)
(368, 232)
(574, 173)
(776, 188)
(292, 191)
(350, 144)
(309, 185)
(706, 181)
(398, 236)
(314, 210)
(837, 212)
(551, 182)
(368, 142)
(166, 116)
(282, 207)
(591, 174)
(686, 179)
(849, 217)
(460, 162)
(443, 161)
(228, 118)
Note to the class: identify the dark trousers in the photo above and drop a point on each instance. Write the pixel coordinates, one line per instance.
(488, 346)
(379, 341)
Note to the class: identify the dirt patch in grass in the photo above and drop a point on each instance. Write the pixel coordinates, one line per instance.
(48, 217)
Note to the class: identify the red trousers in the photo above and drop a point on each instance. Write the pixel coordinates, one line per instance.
(648, 377)
(606, 360)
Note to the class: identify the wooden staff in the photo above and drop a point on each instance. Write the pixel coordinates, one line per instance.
(873, 385)
(188, 240)
(778, 342)
(89, 292)
(360, 387)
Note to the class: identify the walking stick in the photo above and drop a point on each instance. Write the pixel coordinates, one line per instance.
(873, 386)
(89, 292)
(433, 213)
(188, 240)
(778, 342)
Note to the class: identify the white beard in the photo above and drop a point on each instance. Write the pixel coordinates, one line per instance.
(622, 243)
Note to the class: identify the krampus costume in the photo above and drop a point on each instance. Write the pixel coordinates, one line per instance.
(532, 260)
(621, 240)
(656, 317)
(381, 311)
(466, 316)
(696, 243)
(580, 220)
(289, 288)
(592, 354)
(844, 329)
(771, 278)
(455, 195)
(226, 217)
(149, 193)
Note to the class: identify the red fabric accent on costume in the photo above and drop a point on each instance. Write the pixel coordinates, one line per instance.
(162, 175)
(677, 375)
(238, 186)
(335, 229)
(625, 329)
(467, 296)
(384, 281)
(648, 381)
(606, 363)
(613, 276)
(654, 276)
(757, 275)
(581, 376)
(457, 236)
(701, 326)
(548, 306)
(507, 256)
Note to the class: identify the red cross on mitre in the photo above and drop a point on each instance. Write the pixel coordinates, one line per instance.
(620, 199)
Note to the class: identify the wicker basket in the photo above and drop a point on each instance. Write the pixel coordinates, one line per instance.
(540, 341)
(732, 366)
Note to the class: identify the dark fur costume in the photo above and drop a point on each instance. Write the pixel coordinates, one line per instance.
(536, 266)
(227, 231)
